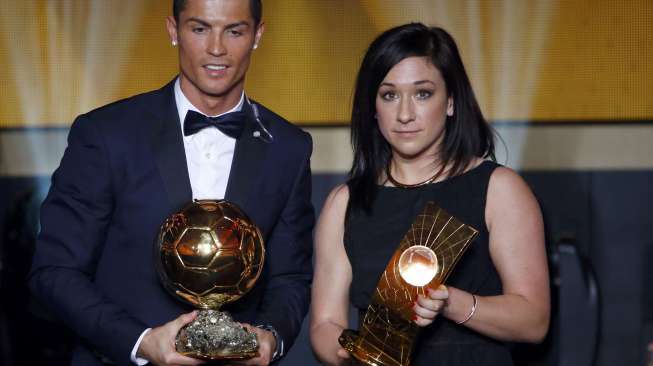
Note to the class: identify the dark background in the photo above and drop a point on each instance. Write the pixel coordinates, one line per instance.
(603, 216)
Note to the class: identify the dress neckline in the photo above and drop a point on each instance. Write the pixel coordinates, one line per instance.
(434, 184)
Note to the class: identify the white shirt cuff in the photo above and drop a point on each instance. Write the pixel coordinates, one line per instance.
(137, 360)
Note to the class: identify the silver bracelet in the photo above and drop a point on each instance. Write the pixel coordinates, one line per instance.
(471, 313)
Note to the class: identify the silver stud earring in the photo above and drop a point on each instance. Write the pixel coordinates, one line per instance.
(174, 43)
(255, 46)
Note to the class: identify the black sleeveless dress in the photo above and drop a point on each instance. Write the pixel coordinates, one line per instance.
(370, 241)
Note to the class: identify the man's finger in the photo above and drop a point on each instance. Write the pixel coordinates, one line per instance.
(184, 319)
(178, 359)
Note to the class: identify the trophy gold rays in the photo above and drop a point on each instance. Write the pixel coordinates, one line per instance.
(424, 259)
(208, 254)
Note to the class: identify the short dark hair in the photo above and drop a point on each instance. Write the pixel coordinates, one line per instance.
(255, 6)
(467, 134)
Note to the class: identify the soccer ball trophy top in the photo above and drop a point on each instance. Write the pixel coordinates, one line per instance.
(209, 254)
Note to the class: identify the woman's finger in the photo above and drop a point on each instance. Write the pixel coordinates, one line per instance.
(342, 353)
(429, 304)
(424, 312)
(441, 293)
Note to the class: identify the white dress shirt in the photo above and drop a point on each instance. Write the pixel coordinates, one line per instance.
(209, 154)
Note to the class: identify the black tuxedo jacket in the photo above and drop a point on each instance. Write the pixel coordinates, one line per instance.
(123, 172)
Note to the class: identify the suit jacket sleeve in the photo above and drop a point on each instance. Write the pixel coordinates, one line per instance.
(289, 261)
(74, 221)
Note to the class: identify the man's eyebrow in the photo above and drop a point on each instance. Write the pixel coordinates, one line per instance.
(198, 20)
(208, 25)
(236, 25)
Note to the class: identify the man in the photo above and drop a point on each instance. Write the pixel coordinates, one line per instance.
(132, 163)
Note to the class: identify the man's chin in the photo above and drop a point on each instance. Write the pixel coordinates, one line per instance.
(215, 93)
(213, 88)
(219, 91)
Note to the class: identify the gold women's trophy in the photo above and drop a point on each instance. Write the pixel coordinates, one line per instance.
(209, 254)
(424, 259)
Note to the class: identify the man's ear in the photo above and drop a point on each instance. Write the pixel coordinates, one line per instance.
(171, 26)
(259, 33)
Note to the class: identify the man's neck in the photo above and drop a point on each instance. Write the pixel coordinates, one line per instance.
(208, 104)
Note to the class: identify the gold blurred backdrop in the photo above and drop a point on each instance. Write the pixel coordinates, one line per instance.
(529, 60)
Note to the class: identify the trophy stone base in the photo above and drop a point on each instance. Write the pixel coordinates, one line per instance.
(214, 335)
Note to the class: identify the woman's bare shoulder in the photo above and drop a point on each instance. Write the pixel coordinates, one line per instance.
(337, 198)
(508, 194)
(504, 180)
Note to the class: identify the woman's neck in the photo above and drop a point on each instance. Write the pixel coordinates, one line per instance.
(414, 171)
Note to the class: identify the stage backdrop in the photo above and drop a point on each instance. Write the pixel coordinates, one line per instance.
(543, 60)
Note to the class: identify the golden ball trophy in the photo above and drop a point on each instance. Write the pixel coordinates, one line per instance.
(209, 254)
(424, 259)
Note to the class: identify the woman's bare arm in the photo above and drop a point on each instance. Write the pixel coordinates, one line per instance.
(330, 293)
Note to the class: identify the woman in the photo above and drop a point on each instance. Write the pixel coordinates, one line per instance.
(419, 135)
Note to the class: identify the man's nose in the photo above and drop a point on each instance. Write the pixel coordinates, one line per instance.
(215, 45)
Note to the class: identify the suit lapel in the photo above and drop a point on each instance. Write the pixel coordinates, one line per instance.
(246, 165)
(168, 147)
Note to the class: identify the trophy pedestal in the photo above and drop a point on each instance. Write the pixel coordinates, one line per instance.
(214, 335)
(371, 352)
(385, 338)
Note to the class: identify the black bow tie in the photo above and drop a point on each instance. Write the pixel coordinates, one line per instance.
(231, 124)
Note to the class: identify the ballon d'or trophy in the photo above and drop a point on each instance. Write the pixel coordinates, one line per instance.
(209, 254)
(424, 259)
